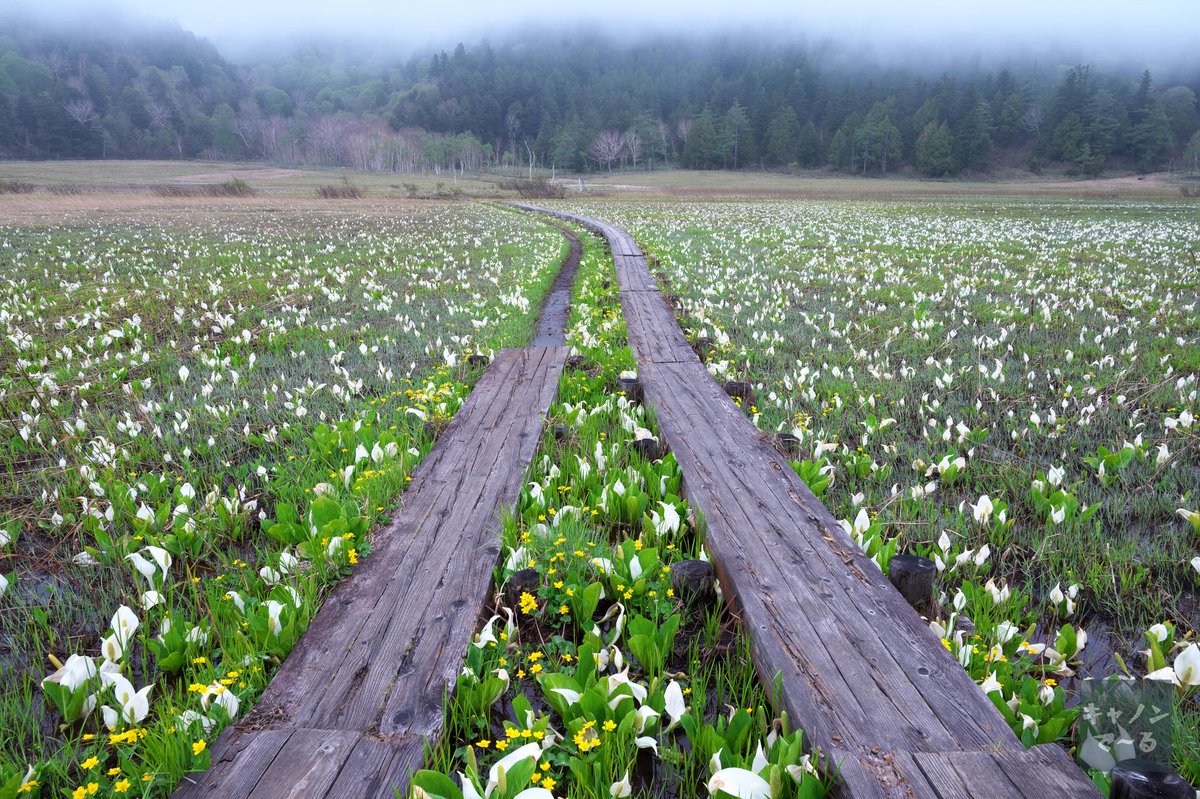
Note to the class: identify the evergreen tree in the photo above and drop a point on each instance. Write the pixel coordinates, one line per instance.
(783, 135)
(808, 150)
(703, 146)
(935, 151)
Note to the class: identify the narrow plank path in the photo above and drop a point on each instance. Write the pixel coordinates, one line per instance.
(351, 708)
(862, 675)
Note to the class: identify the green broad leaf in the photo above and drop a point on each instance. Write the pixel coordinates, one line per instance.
(436, 784)
(323, 511)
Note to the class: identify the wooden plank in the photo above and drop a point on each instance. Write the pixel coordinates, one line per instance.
(1036, 773)
(238, 762)
(654, 336)
(862, 675)
(380, 766)
(363, 687)
(307, 765)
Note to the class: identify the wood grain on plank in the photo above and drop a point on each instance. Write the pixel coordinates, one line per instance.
(862, 675)
(351, 708)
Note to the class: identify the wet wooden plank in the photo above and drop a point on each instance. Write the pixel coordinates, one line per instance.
(365, 682)
(654, 335)
(1036, 773)
(861, 673)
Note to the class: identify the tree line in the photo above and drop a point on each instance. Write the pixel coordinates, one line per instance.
(578, 103)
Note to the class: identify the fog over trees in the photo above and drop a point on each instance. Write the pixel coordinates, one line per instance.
(582, 102)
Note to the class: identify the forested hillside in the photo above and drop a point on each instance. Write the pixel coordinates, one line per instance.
(577, 103)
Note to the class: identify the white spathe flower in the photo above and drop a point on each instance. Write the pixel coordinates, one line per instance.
(675, 705)
(644, 714)
(1055, 475)
(273, 610)
(1058, 514)
(862, 522)
(530, 750)
(646, 742)
(1196, 564)
(469, 790)
(151, 599)
(615, 681)
(669, 521)
(124, 623)
(74, 673)
(143, 566)
(1187, 666)
(183, 374)
(620, 790)
(983, 509)
(217, 694)
(3, 585)
(739, 782)
(135, 705)
(1056, 594)
(760, 761)
(161, 557)
(534, 793)
(111, 648)
(572, 697)
(1006, 631)
(991, 684)
(1159, 631)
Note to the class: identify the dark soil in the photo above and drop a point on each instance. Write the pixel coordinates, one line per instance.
(556, 308)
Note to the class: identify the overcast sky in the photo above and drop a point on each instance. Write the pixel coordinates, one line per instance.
(1151, 30)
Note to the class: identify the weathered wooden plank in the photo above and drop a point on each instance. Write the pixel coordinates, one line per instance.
(307, 765)
(1036, 773)
(391, 638)
(653, 333)
(632, 274)
(861, 674)
(238, 762)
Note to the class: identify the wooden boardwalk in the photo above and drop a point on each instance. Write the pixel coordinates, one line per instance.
(862, 675)
(350, 710)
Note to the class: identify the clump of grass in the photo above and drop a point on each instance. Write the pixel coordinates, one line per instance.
(340, 191)
(15, 187)
(236, 187)
(539, 188)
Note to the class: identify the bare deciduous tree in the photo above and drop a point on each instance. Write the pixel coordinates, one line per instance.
(633, 145)
(606, 147)
(1032, 121)
(159, 113)
(682, 128)
(82, 111)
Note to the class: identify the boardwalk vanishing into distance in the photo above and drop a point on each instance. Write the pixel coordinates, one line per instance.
(862, 674)
(351, 709)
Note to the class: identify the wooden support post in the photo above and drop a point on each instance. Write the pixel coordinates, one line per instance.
(1145, 779)
(523, 581)
(788, 444)
(648, 448)
(913, 577)
(740, 389)
(632, 388)
(693, 582)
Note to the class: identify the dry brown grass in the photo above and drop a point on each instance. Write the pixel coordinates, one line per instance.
(123, 208)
